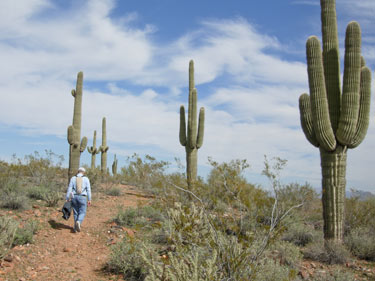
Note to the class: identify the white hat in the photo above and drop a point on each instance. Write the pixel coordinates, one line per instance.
(81, 169)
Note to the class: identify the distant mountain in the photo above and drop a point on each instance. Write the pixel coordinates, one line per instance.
(359, 193)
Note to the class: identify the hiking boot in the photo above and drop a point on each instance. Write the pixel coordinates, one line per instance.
(77, 226)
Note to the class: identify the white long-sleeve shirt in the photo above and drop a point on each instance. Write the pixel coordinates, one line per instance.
(72, 188)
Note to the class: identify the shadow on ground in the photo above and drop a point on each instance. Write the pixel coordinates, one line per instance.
(58, 225)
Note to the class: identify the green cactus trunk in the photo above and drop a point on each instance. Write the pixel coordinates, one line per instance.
(104, 148)
(76, 145)
(192, 139)
(93, 151)
(331, 119)
(333, 196)
(114, 166)
(191, 164)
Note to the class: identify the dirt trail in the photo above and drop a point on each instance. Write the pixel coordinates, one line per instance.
(60, 254)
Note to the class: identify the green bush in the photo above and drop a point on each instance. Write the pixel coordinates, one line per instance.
(113, 191)
(328, 252)
(361, 243)
(126, 258)
(25, 234)
(8, 228)
(299, 234)
(271, 270)
(147, 173)
(337, 274)
(37, 192)
(138, 217)
(52, 198)
(359, 213)
(286, 253)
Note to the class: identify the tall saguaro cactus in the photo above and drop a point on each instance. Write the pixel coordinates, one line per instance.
(114, 166)
(104, 148)
(76, 145)
(93, 151)
(331, 119)
(192, 139)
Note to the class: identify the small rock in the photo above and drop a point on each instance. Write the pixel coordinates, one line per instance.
(7, 264)
(8, 258)
(303, 274)
(66, 250)
(22, 279)
(313, 265)
(17, 258)
(36, 206)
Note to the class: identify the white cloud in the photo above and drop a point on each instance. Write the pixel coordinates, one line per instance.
(253, 111)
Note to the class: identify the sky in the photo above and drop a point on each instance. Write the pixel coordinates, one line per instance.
(250, 69)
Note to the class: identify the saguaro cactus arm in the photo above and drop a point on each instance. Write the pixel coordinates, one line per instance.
(182, 126)
(83, 144)
(306, 119)
(364, 108)
(200, 128)
(318, 96)
(352, 73)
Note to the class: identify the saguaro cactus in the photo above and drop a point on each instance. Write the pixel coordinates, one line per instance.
(331, 119)
(193, 138)
(93, 151)
(76, 145)
(114, 166)
(104, 148)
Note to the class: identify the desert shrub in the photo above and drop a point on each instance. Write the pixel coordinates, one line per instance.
(37, 192)
(48, 194)
(359, 212)
(286, 254)
(337, 274)
(361, 243)
(113, 191)
(294, 194)
(192, 265)
(299, 234)
(25, 234)
(147, 173)
(271, 270)
(13, 195)
(138, 217)
(126, 258)
(52, 198)
(328, 252)
(8, 228)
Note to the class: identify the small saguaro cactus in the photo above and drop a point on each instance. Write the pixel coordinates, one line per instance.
(114, 166)
(93, 151)
(76, 145)
(192, 139)
(104, 148)
(331, 119)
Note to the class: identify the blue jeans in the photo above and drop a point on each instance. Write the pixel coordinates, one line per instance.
(79, 204)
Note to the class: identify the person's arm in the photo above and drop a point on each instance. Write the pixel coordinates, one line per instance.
(70, 189)
(88, 191)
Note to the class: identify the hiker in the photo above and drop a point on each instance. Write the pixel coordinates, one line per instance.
(79, 192)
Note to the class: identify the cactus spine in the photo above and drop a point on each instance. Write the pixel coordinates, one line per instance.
(104, 148)
(114, 166)
(76, 145)
(192, 139)
(333, 121)
(93, 151)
